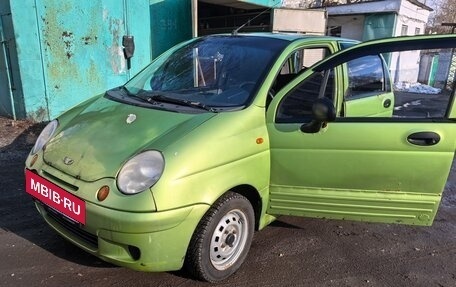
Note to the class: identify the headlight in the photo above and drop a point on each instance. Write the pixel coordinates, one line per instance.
(140, 172)
(45, 136)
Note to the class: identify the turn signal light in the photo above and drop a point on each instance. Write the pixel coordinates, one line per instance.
(34, 159)
(102, 193)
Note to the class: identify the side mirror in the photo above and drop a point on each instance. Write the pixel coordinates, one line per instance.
(323, 111)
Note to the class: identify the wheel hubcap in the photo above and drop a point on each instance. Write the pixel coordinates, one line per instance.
(229, 239)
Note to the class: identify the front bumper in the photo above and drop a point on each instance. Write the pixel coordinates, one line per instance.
(123, 230)
(150, 241)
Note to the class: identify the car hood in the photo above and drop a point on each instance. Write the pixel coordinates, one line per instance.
(99, 139)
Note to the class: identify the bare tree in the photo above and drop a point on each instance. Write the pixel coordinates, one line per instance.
(445, 13)
(325, 3)
(319, 3)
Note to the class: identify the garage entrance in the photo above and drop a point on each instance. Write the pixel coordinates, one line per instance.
(224, 16)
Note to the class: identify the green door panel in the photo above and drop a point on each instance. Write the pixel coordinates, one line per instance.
(359, 170)
(372, 106)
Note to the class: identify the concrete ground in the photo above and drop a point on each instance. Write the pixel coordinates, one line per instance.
(290, 252)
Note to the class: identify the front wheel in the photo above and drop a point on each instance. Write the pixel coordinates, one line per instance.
(222, 239)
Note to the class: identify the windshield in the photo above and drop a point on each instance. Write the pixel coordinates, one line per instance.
(215, 72)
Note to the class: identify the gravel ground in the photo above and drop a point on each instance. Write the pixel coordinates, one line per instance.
(290, 252)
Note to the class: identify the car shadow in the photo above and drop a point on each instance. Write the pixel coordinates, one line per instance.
(18, 214)
(283, 224)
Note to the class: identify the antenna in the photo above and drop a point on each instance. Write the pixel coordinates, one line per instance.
(235, 31)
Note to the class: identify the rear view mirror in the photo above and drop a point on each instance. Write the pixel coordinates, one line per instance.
(323, 111)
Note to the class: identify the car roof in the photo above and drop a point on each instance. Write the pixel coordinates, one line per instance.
(287, 36)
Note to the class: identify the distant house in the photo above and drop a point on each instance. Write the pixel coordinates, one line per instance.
(380, 19)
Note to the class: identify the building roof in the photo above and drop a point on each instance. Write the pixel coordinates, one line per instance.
(284, 36)
(373, 6)
(421, 5)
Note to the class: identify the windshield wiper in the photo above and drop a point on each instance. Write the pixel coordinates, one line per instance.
(146, 100)
(161, 98)
(153, 99)
(136, 97)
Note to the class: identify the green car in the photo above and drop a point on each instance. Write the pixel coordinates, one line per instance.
(222, 134)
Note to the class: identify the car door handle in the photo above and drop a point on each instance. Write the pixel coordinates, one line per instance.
(424, 138)
(387, 103)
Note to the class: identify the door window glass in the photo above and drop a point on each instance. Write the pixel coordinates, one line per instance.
(423, 82)
(296, 106)
(296, 63)
(416, 84)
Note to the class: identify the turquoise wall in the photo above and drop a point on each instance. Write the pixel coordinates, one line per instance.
(68, 51)
(71, 50)
(266, 3)
(171, 23)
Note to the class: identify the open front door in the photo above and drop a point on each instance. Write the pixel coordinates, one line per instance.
(370, 168)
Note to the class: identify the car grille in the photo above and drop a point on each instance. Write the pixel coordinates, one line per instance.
(73, 228)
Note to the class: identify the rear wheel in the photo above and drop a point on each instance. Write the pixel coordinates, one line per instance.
(222, 239)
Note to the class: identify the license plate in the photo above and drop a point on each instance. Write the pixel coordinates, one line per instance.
(55, 197)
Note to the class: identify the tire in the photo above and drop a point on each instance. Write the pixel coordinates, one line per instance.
(222, 239)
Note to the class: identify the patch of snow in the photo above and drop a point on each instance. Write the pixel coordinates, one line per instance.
(406, 105)
(416, 88)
